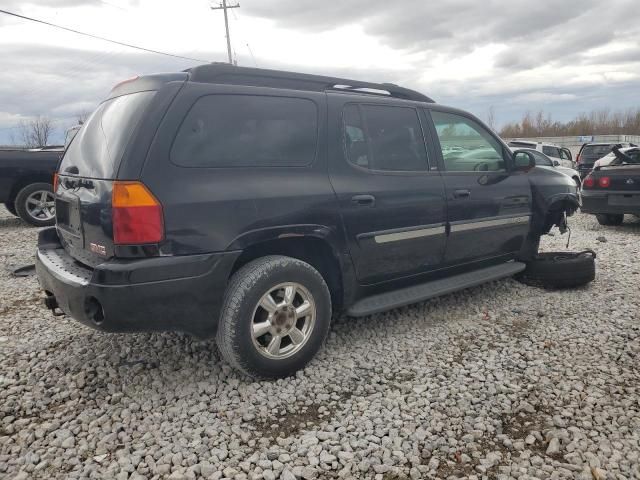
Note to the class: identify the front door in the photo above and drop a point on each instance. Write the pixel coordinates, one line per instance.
(392, 204)
(489, 205)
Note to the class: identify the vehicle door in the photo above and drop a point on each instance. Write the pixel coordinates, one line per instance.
(554, 154)
(567, 158)
(488, 202)
(391, 200)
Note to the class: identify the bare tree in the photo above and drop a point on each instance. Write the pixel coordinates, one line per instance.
(35, 133)
(491, 118)
(82, 117)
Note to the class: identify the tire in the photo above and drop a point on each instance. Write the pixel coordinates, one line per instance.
(242, 312)
(28, 212)
(560, 269)
(11, 207)
(610, 219)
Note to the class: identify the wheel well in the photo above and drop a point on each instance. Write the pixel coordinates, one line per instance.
(314, 251)
(24, 181)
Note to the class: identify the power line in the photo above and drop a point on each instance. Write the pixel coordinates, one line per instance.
(101, 38)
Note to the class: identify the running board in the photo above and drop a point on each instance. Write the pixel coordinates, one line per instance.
(425, 291)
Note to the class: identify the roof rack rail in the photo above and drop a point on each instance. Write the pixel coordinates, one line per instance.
(225, 73)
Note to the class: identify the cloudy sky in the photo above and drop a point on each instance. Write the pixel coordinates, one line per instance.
(560, 56)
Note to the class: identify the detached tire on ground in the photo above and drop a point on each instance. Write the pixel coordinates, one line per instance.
(610, 219)
(10, 206)
(35, 204)
(275, 317)
(560, 269)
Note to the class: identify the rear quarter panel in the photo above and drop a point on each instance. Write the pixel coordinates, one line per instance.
(217, 209)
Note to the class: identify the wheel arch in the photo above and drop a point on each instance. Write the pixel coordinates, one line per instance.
(312, 244)
(25, 181)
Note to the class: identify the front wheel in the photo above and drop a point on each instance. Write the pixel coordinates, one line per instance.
(275, 317)
(35, 204)
(610, 219)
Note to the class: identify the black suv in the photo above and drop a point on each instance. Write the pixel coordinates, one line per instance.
(253, 204)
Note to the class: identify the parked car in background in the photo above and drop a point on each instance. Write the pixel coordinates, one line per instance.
(591, 152)
(632, 152)
(542, 160)
(562, 155)
(612, 189)
(26, 183)
(252, 204)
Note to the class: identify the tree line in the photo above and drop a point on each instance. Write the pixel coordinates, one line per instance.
(596, 122)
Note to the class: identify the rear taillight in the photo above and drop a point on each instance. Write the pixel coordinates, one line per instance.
(604, 182)
(137, 215)
(55, 182)
(588, 182)
(578, 158)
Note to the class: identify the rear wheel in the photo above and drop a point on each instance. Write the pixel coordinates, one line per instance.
(610, 219)
(275, 316)
(10, 206)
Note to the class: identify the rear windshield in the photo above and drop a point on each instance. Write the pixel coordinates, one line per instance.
(98, 146)
(596, 151)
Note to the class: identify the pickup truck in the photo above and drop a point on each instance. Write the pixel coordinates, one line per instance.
(26, 183)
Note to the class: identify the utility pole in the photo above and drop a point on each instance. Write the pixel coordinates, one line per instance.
(224, 7)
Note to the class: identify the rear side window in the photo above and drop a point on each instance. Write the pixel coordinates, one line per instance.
(247, 131)
(97, 148)
(386, 138)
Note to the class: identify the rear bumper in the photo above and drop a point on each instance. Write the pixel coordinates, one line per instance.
(182, 293)
(611, 202)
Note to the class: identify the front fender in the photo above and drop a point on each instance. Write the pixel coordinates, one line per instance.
(555, 197)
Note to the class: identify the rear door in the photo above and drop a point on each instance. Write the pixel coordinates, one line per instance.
(390, 193)
(489, 207)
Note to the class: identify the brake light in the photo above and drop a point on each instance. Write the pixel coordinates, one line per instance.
(604, 182)
(55, 182)
(588, 182)
(137, 214)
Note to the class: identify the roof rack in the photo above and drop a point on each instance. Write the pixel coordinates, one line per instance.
(258, 77)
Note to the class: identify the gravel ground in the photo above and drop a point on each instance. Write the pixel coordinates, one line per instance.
(500, 381)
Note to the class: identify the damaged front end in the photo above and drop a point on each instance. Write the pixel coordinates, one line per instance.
(555, 197)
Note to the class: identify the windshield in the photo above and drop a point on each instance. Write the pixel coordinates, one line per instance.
(98, 146)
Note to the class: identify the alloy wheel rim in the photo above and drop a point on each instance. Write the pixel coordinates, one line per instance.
(41, 205)
(283, 320)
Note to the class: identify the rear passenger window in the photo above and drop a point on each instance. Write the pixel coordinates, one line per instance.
(247, 131)
(384, 138)
(466, 145)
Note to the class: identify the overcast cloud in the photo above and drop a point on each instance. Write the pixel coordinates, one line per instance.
(561, 56)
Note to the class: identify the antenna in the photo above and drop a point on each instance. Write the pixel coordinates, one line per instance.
(224, 7)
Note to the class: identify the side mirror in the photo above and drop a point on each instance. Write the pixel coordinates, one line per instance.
(556, 163)
(522, 161)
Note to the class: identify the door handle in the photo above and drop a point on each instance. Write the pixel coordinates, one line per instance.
(461, 194)
(363, 200)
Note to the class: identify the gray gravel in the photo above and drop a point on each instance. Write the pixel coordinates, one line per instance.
(500, 381)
